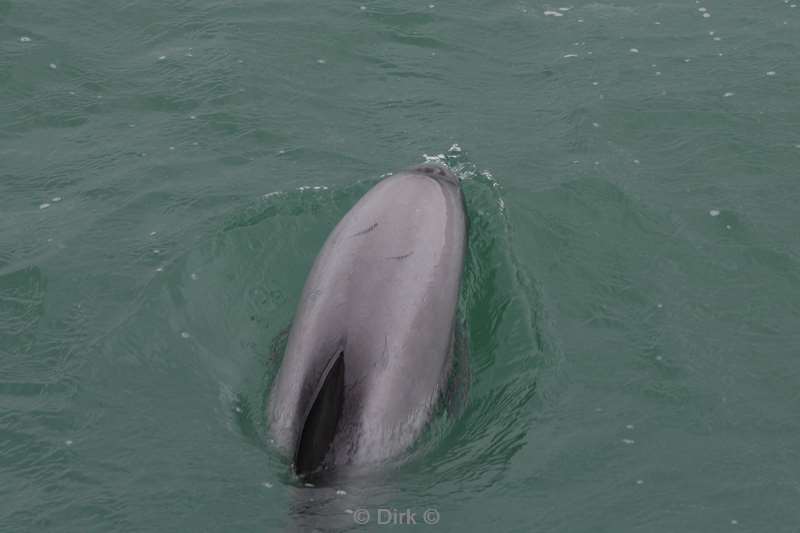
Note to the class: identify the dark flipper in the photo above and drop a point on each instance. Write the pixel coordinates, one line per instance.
(320, 425)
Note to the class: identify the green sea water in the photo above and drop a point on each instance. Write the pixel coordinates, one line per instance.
(169, 170)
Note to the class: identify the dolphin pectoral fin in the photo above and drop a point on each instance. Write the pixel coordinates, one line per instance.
(322, 419)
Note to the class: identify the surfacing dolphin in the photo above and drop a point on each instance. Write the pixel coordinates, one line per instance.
(370, 349)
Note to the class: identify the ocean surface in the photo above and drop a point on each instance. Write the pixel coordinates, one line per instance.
(169, 170)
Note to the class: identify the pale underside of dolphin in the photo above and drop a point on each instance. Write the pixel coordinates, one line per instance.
(371, 345)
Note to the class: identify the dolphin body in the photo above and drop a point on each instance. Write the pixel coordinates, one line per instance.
(370, 350)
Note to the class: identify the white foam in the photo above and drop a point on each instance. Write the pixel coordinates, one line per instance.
(628, 441)
(194, 276)
(706, 15)
(714, 212)
(639, 481)
(595, 124)
(162, 58)
(24, 39)
(56, 199)
(53, 66)
(68, 442)
(553, 14)
(267, 484)
(44, 206)
(771, 73)
(566, 56)
(321, 61)
(634, 50)
(153, 233)
(340, 492)
(185, 334)
(728, 94)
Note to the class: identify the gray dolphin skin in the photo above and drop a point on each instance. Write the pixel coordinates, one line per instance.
(370, 349)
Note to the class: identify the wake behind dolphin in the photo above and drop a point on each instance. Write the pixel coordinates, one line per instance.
(370, 350)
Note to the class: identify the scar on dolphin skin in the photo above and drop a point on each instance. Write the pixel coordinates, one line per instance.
(401, 257)
(365, 231)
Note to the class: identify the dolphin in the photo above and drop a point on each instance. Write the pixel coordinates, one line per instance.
(370, 349)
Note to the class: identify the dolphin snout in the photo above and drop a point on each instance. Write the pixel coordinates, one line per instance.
(436, 171)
